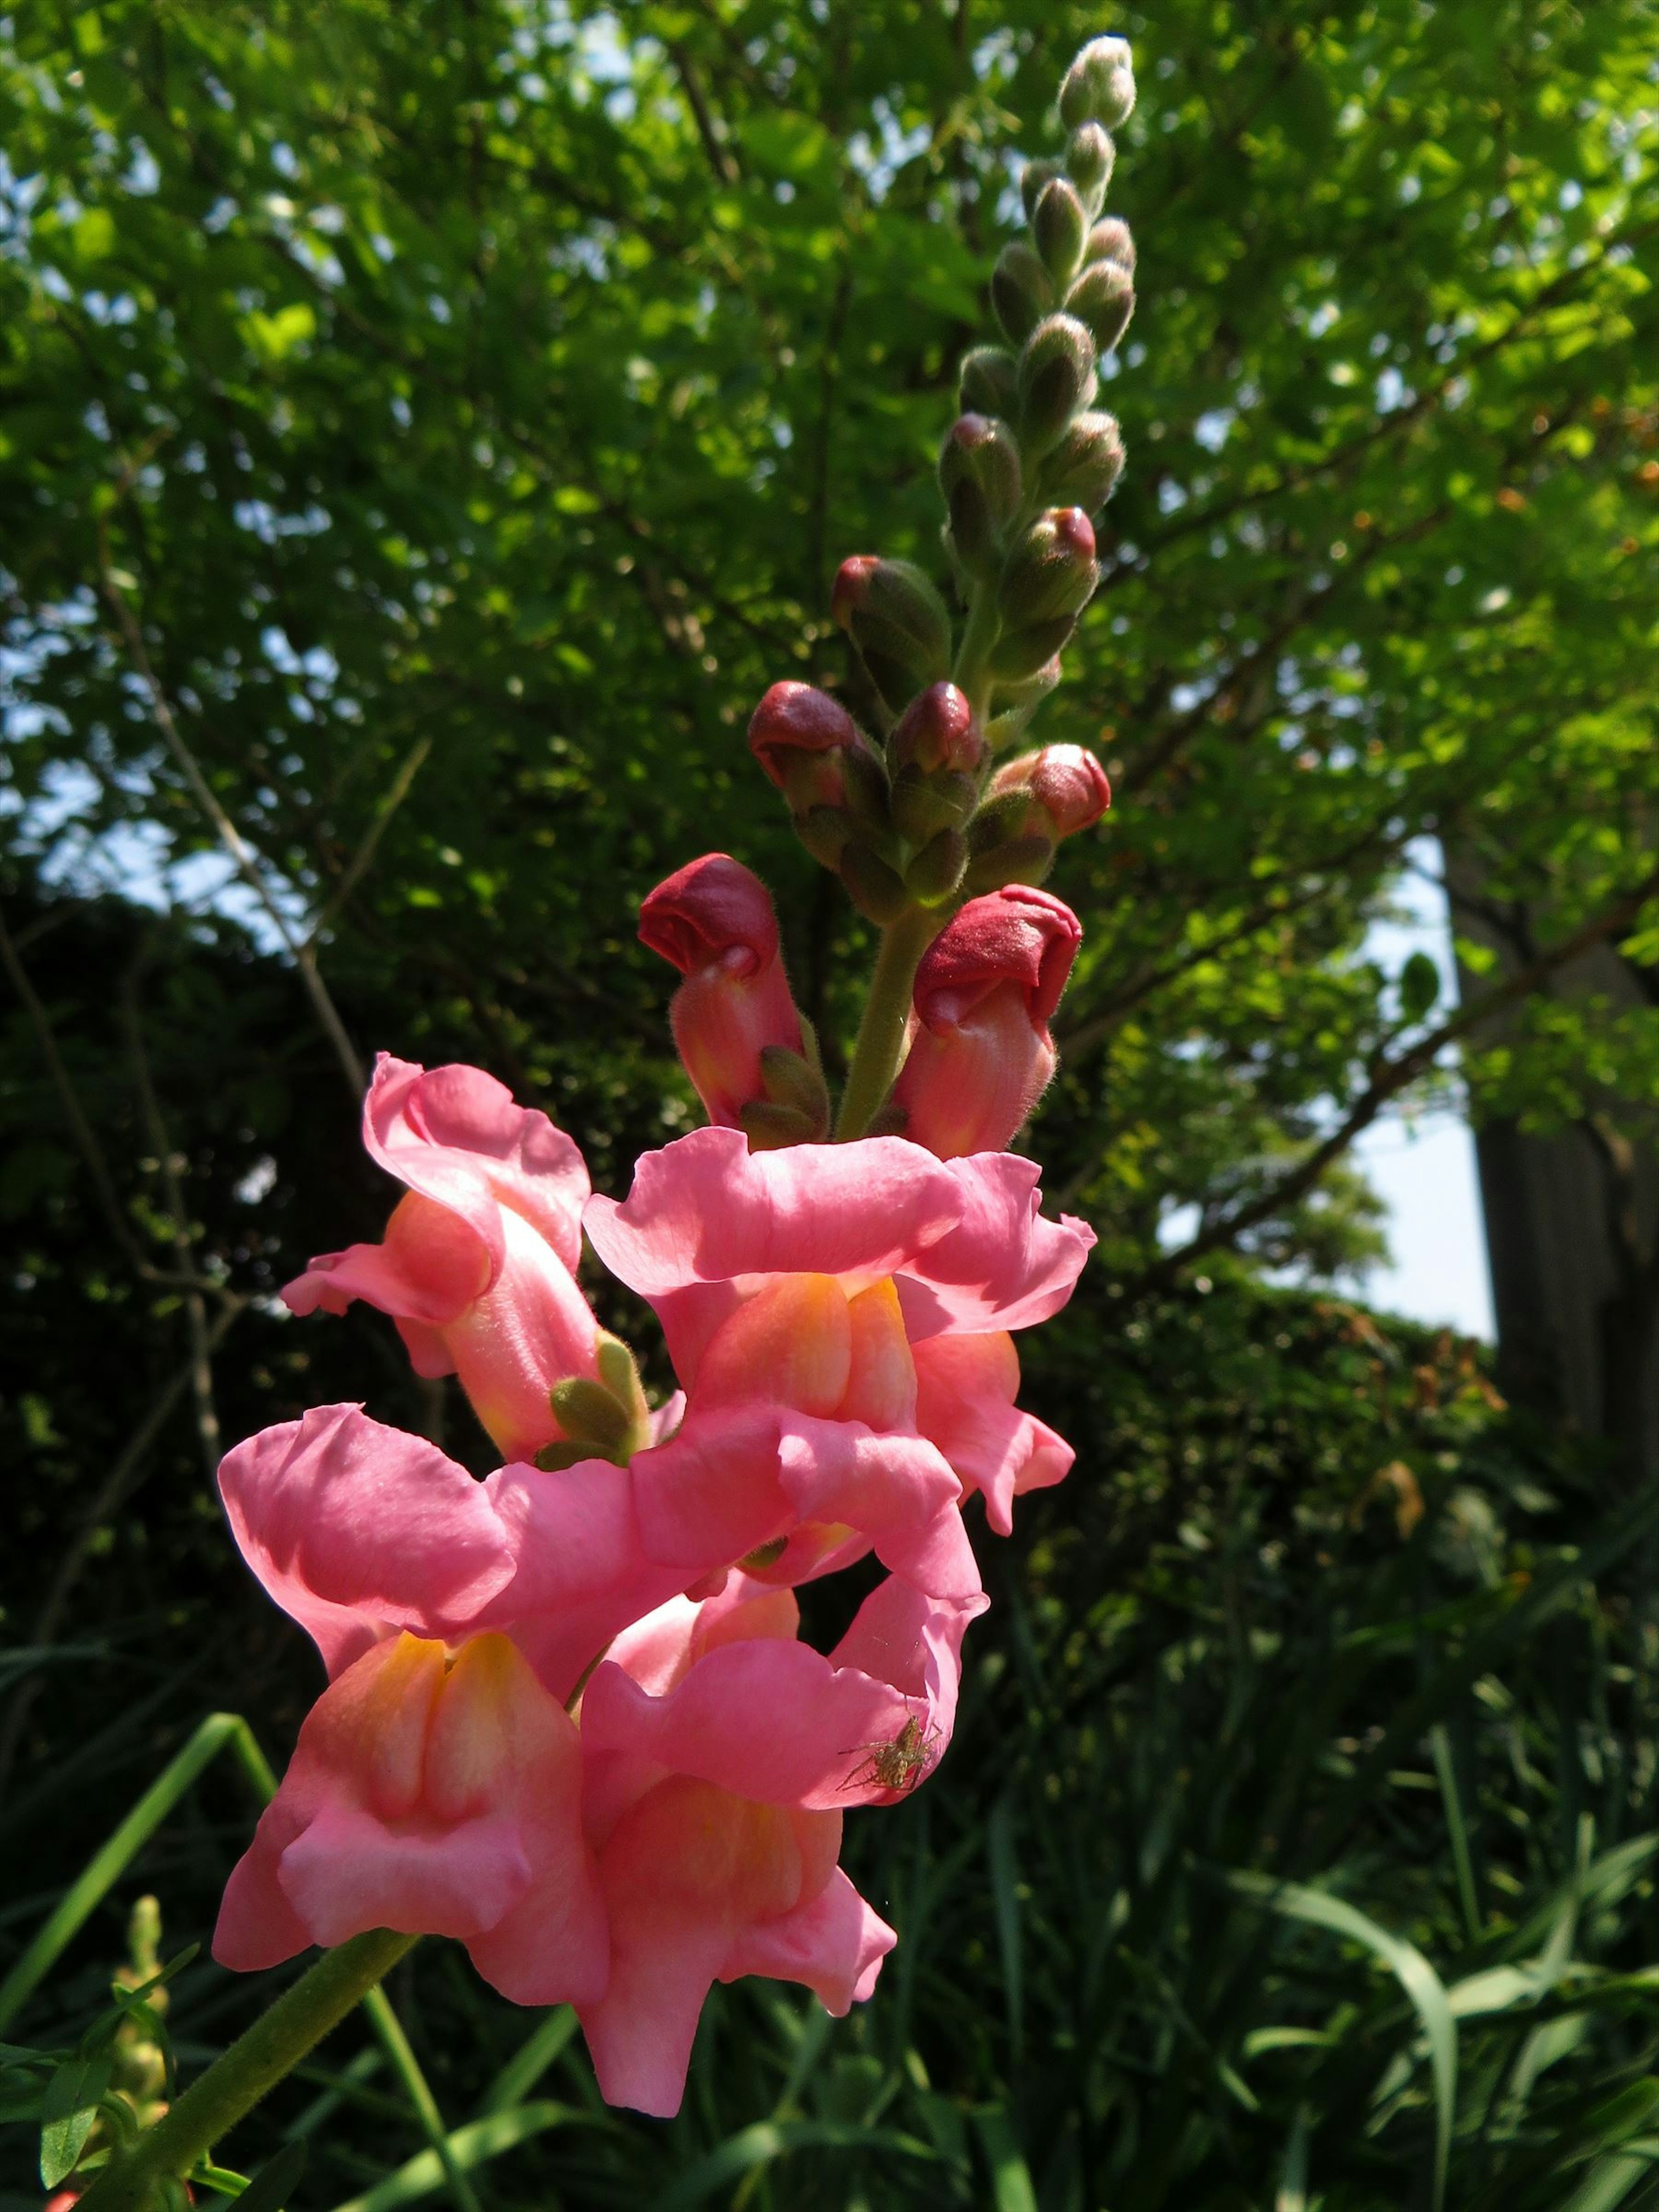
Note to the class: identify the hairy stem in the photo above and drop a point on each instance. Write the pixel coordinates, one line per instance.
(253, 2065)
(886, 1011)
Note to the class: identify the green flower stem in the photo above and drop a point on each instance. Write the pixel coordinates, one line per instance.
(886, 1011)
(253, 2065)
(979, 638)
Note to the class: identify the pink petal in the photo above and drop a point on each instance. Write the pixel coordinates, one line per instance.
(763, 1719)
(833, 1943)
(349, 1872)
(965, 1388)
(896, 1490)
(712, 1493)
(439, 1794)
(582, 1571)
(532, 1329)
(1004, 1266)
(357, 1530)
(706, 1210)
(429, 1269)
(454, 1134)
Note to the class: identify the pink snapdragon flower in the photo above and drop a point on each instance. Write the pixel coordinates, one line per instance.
(714, 920)
(477, 1267)
(796, 1289)
(980, 1056)
(681, 1826)
(718, 1756)
(436, 1785)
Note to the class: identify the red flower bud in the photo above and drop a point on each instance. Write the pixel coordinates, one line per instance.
(1066, 785)
(714, 920)
(798, 735)
(980, 1054)
(938, 729)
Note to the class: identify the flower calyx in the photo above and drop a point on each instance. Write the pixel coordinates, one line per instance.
(603, 1417)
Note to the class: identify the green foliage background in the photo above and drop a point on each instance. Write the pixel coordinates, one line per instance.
(453, 414)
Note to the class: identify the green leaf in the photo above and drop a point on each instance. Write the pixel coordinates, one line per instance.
(274, 2182)
(1416, 1976)
(67, 2113)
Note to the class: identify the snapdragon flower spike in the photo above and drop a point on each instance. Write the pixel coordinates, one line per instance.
(477, 1267)
(795, 1288)
(980, 1056)
(735, 1024)
(718, 1756)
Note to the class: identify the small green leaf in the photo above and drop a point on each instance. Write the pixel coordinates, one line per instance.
(67, 2113)
(271, 2187)
(1420, 986)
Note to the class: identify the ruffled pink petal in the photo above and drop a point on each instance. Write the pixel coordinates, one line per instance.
(659, 1649)
(897, 1492)
(533, 1328)
(356, 1531)
(454, 1134)
(705, 1212)
(833, 1943)
(712, 1493)
(348, 1872)
(902, 1636)
(765, 1719)
(582, 1572)
(965, 1388)
(1003, 1266)
(438, 1795)
(429, 1268)
(686, 1870)
(639, 2034)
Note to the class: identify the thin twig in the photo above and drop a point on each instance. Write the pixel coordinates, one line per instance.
(1388, 1081)
(396, 791)
(80, 1129)
(201, 1356)
(301, 950)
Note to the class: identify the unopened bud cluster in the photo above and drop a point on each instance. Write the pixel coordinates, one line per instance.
(913, 817)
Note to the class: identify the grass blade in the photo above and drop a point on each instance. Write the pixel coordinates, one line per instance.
(1423, 1987)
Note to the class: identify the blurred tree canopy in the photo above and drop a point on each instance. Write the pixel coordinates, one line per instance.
(424, 431)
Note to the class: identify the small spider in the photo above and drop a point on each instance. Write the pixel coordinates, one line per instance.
(909, 1758)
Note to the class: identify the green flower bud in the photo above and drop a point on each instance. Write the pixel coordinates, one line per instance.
(795, 1083)
(1099, 87)
(874, 889)
(1021, 290)
(1019, 701)
(1020, 653)
(1032, 178)
(770, 1129)
(1103, 297)
(1060, 227)
(1110, 242)
(1084, 468)
(979, 475)
(1004, 846)
(989, 382)
(1056, 377)
(1089, 158)
(1022, 861)
(937, 869)
(865, 794)
(1050, 572)
(897, 620)
(924, 804)
(590, 1414)
(824, 831)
